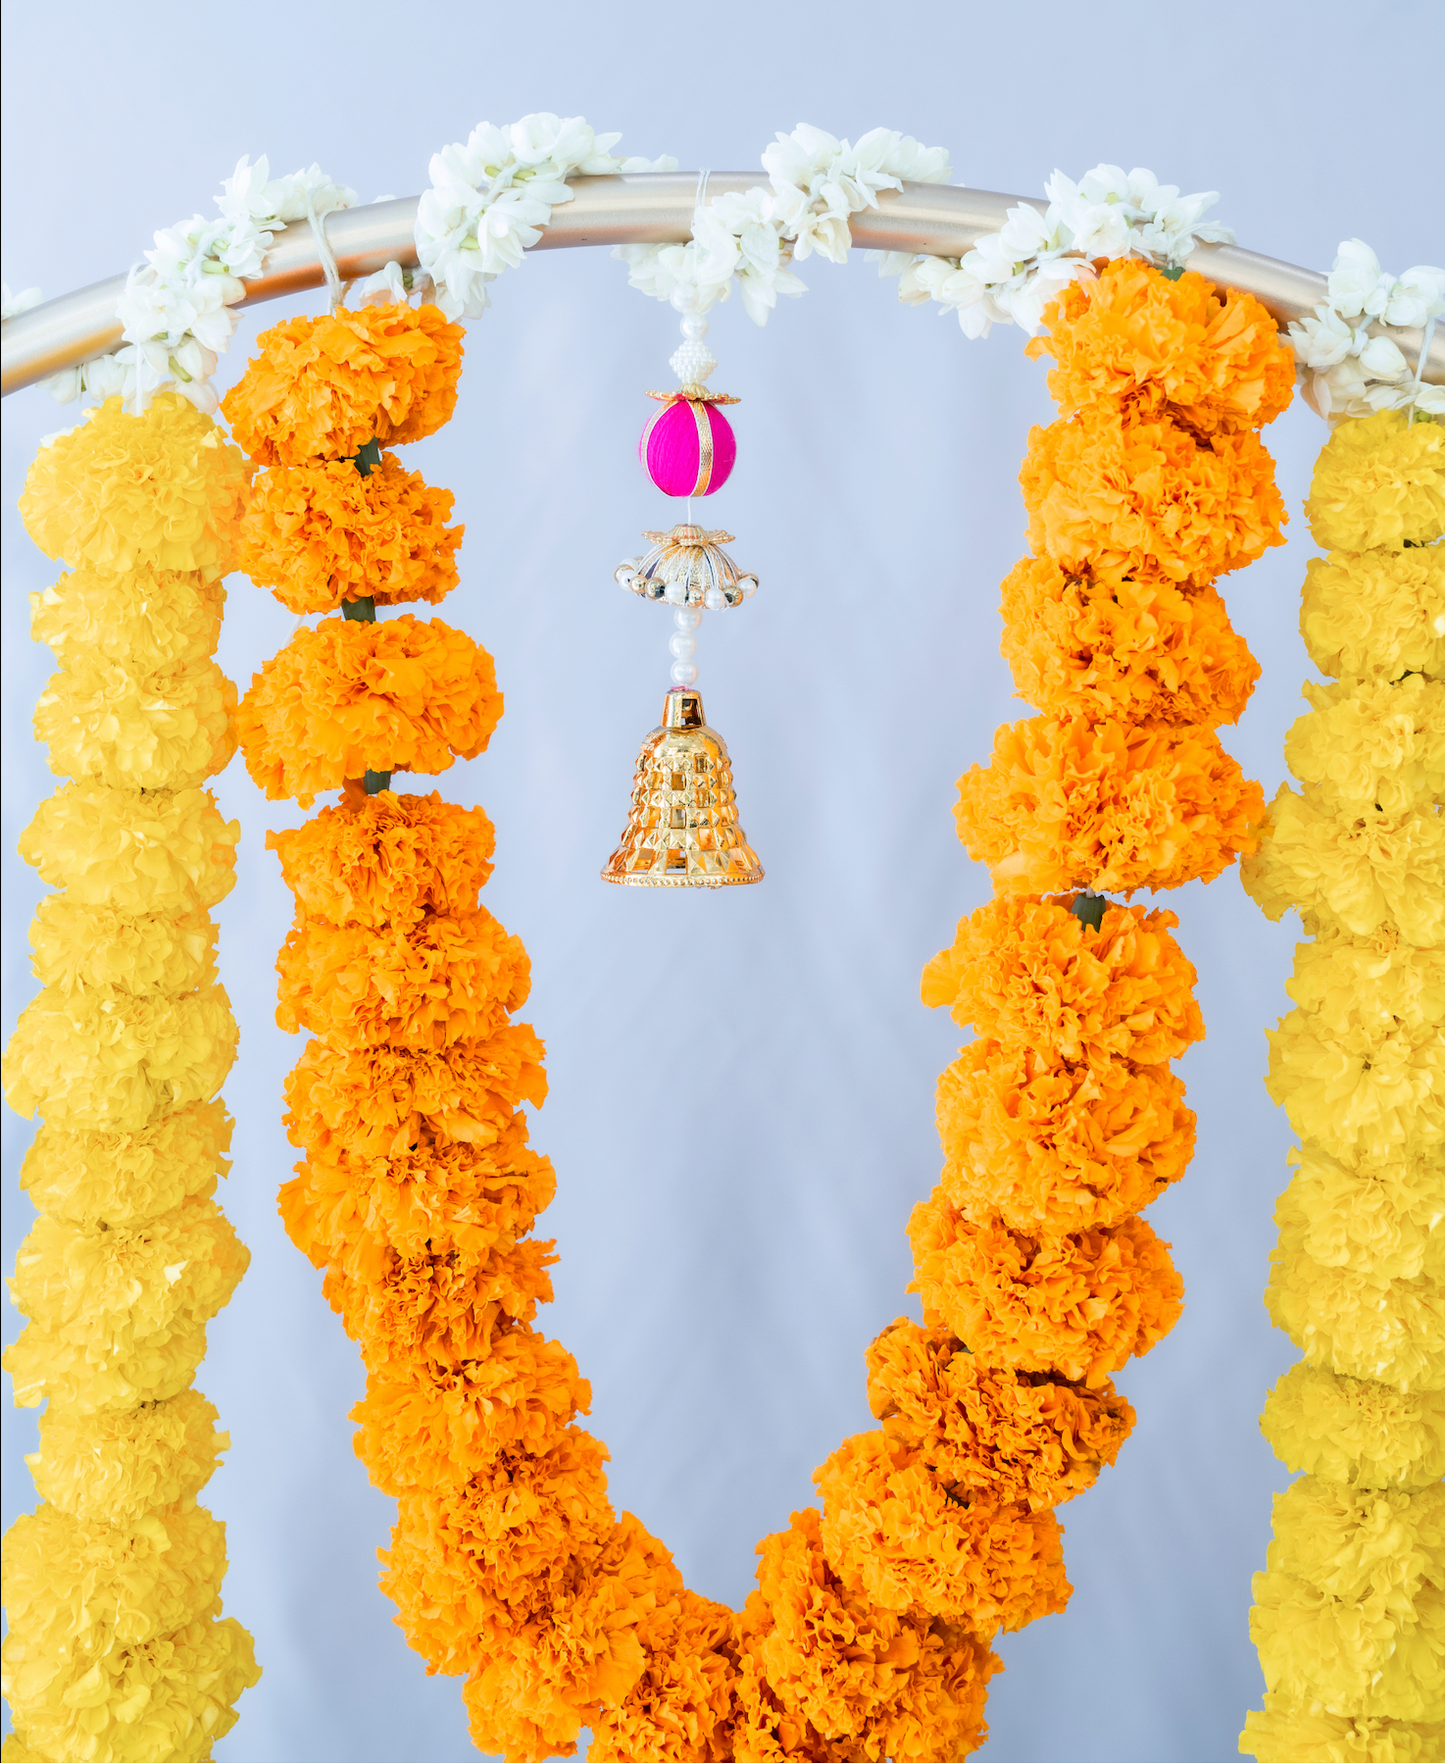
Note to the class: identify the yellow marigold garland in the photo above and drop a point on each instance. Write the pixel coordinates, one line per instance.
(1349, 1614)
(116, 1648)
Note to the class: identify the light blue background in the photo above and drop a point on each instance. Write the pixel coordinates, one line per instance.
(741, 1112)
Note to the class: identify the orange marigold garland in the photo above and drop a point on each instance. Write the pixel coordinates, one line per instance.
(1062, 1120)
(867, 1637)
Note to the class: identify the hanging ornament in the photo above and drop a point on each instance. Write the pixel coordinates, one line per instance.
(688, 448)
(682, 829)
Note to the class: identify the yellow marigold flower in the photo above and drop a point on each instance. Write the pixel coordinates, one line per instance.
(1122, 495)
(868, 1682)
(1138, 649)
(78, 947)
(1027, 972)
(77, 1590)
(148, 618)
(1380, 480)
(1352, 1321)
(320, 534)
(898, 1531)
(164, 489)
(321, 388)
(384, 1101)
(1350, 1613)
(1135, 339)
(1371, 745)
(684, 1693)
(1294, 1731)
(1082, 1305)
(138, 852)
(1058, 1148)
(117, 1177)
(351, 1209)
(165, 731)
(1351, 1430)
(437, 1427)
(386, 859)
(1376, 614)
(104, 1303)
(104, 1061)
(1069, 803)
(346, 697)
(114, 1467)
(1360, 1066)
(170, 1697)
(1015, 1436)
(1385, 1218)
(441, 980)
(1370, 871)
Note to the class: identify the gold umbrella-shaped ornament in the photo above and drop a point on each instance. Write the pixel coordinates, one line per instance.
(682, 827)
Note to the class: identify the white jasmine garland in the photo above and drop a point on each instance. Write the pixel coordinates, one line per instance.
(174, 309)
(1011, 275)
(1349, 368)
(815, 182)
(490, 198)
(11, 305)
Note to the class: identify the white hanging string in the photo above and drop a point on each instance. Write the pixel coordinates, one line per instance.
(699, 202)
(328, 256)
(1425, 342)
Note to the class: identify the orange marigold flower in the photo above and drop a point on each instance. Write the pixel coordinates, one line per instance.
(681, 1707)
(351, 1208)
(1126, 496)
(1027, 972)
(427, 984)
(1082, 1304)
(437, 1428)
(503, 1546)
(386, 859)
(321, 388)
(385, 1101)
(441, 1309)
(1014, 1436)
(320, 534)
(822, 1662)
(1058, 1148)
(1142, 650)
(536, 1687)
(1070, 803)
(895, 1529)
(348, 697)
(1136, 338)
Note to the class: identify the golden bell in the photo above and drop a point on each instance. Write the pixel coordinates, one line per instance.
(682, 830)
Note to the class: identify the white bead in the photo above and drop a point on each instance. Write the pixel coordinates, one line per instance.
(685, 297)
(714, 599)
(687, 618)
(683, 673)
(682, 644)
(676, 594)
(692, 362)
(694, 327)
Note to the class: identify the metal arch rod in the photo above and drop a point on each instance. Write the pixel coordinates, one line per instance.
(644, 208)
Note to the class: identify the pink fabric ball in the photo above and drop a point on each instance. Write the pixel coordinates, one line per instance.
(688, 449)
